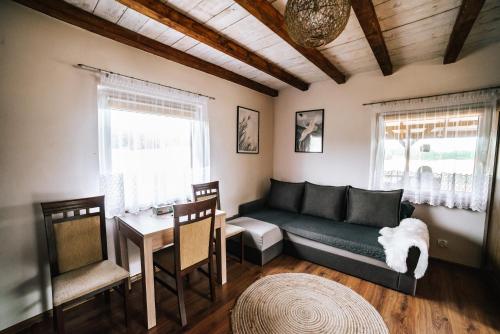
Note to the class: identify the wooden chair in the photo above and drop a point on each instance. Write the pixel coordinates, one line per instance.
(79, 265)
(193, 247)
(204, 191)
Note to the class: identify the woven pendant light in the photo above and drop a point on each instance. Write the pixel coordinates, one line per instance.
(313, 23)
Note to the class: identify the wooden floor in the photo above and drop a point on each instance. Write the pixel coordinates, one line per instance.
(450, 299)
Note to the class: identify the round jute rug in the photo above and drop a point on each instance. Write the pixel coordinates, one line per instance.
(302, 303)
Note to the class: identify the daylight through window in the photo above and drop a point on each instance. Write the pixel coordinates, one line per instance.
(439, 155)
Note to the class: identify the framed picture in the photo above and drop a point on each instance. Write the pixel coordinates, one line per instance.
(309, 131)
(247, 136)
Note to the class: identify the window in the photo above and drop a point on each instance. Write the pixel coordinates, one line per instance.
(153, 144)
(439, 151)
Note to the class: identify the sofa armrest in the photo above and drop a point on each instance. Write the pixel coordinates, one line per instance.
(252, 206)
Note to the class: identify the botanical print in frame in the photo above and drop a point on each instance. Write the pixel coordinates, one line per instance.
(309, 131)
(247, 137)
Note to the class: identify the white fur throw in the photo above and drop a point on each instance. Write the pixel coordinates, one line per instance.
(398, 240)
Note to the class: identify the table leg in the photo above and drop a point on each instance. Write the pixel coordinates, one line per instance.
(220, 242)
(148, 288)
(123, 261)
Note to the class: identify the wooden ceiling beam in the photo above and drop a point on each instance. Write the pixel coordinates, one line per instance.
(78, 17)
(174, 19)
(365, 12)
(469, 11)
(272, 18)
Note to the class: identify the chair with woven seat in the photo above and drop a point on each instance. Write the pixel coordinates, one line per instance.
(192, 248)
(204, 191)
(79, 265)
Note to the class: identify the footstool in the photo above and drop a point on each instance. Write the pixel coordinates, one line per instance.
(263, 241)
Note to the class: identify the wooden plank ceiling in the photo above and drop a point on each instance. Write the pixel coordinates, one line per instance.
(413, 30)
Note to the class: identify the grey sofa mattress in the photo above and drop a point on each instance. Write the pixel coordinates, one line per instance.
(273, 216)
(359, 239)
(354, 238)
(333, 250)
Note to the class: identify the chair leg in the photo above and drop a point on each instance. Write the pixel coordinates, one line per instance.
(211, 280)
(180, 297)
(58, 319)
(125, 285)
(242, 248)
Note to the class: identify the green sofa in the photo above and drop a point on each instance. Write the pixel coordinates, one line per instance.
(338, 244)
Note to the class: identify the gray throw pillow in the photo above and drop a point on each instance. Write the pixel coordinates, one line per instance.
(373, 207)
(324, 201)
(286, 195)
(406, 210)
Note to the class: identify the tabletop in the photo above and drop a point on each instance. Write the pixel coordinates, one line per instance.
(146, 222)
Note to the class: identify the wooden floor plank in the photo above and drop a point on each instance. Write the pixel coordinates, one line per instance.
(450, 299)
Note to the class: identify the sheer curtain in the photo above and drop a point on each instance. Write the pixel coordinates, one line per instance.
(153, 143)
(440, 150)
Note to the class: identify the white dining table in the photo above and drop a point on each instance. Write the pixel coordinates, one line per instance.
(151, 233)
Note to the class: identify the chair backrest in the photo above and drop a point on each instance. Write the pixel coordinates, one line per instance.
(193, 233)
(76, 233)
(205, 191)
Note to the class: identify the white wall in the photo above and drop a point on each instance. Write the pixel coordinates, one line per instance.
(48, 138)
(347, 136)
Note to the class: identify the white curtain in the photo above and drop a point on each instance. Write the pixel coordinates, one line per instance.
(440, 150)
(153, 143)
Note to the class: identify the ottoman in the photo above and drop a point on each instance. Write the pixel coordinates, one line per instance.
(263, 241)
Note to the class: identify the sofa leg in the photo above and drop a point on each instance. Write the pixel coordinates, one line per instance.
(107, 298)
(242, 245)
(58, 319)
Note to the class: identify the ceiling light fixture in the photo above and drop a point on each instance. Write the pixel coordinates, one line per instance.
(314, 23)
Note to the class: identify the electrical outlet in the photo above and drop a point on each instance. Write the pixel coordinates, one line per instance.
(443, 243)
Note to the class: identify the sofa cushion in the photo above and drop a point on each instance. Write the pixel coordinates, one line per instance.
(373, 207)
(406, 210)
(258, 234)
(273, 216)
(354, 238)
(286, 195)
(324, 201)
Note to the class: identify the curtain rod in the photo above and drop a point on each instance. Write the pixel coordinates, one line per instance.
(100, 70)
(424, 97)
